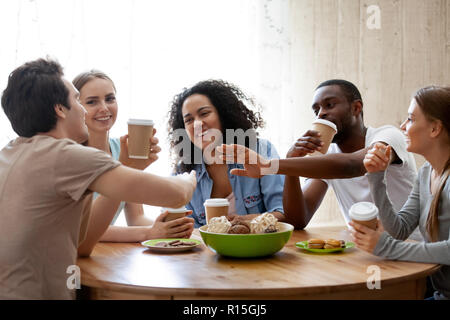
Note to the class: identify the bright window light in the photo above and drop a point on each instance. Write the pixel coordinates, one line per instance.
(151, 50)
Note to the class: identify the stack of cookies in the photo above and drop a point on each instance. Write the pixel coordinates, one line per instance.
(325, 244)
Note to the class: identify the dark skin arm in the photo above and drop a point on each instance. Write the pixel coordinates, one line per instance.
(222, 188)
(329, 166)
(300, 205)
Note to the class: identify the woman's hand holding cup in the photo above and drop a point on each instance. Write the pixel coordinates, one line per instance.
(177, 228)
(364, 237)
(377, 158)
(139, 164)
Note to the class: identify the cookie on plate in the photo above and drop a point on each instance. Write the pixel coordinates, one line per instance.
(316, 244)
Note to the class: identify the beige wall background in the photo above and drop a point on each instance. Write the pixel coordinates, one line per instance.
(331, 39)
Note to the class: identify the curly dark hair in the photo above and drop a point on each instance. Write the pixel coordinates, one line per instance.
(231, 104)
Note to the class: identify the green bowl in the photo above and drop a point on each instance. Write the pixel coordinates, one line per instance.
(247, 245)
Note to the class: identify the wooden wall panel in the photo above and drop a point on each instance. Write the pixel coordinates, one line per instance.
(447, 48)
(348, 42)
(303, 68)
(325, 33)
(380, 51)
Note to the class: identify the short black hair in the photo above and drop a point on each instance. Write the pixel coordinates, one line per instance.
(351, 92)
(32, 92)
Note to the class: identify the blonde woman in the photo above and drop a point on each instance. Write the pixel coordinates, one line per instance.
(427, 132)
(98, 96)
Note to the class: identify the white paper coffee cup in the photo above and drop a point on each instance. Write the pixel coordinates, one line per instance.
(175, 213)
(365, 213)
(216, 207)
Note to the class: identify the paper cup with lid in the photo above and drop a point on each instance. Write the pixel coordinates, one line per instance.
(139, 133)
(327, 131)
(216, 207)
(365, 213)
(175, 213)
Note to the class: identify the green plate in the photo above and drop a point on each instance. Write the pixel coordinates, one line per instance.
(304, 245)
(151, 245)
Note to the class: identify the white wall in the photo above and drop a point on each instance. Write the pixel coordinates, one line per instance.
(151, 49)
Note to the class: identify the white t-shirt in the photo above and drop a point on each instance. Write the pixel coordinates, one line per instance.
(399, 177)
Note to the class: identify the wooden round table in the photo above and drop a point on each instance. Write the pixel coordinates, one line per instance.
(131, 271)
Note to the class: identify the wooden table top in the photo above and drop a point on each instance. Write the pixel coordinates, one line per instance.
(132, 268)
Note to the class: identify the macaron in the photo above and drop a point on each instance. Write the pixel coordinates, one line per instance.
(332, 244)
(316, 243)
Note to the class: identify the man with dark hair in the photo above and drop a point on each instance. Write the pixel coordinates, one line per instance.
(24, 102)
(349, 90)
(340, 102)
(46, 184)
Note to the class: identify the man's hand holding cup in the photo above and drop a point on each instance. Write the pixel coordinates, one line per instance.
(309, 143)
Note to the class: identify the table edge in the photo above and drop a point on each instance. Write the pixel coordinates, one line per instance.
(239, 292)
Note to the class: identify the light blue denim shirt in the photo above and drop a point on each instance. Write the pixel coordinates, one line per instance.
(252, 195)
(114, 145)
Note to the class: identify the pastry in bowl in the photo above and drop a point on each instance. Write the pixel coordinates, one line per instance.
(264, 223)
(239, 227)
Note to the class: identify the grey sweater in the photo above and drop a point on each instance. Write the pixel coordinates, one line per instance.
(414, 212)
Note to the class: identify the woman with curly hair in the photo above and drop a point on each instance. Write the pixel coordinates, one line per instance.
(199, 119)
